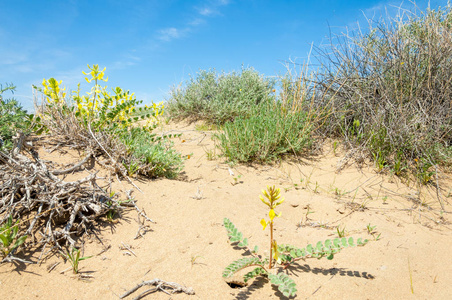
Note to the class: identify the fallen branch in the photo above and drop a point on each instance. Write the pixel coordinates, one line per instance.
(164, 286)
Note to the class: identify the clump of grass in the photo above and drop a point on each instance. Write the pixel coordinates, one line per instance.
(74, 258)
(392, 90)
(268, 133)
(217, 98)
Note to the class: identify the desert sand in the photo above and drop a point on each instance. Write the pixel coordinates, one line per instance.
(187, 243)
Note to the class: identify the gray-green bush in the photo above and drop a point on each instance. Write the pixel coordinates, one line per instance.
(218, 98)
(393, 90)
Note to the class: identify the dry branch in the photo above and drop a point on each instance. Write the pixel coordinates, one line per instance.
(53, 211)
(164, 286)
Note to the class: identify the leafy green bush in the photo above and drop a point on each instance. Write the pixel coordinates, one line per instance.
(392, 89)
(12, 119)
(266, 134)
(218, 98)
(152, 159)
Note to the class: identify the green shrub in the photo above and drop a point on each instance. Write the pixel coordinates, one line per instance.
(218, 98)
(392, 89)
(149, 157)
(266, 134)
(12, 119)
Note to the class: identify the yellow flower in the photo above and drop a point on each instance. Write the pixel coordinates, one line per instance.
(264, 224)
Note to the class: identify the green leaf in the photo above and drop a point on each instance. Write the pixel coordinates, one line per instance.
(328, 244)
(241, 264)
(4, 240)
(85, 257)
(20, 241)
(319, 246)
(285, 284)
(256, 272)
(344, 242)
(336, 243)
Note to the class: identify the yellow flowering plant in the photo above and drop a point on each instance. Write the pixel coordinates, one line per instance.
(281, 256)
(113, 114)
(273, 196)
(100, 108)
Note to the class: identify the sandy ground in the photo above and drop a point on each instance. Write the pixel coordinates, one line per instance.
(188, 243)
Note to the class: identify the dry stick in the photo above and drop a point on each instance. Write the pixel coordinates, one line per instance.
(140, 212)
(76, 166)
(112, 159)
(11, 258)
(160, 285)
(128, 248)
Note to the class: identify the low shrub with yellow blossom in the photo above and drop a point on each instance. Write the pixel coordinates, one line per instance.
(100, 108)
(113, 115)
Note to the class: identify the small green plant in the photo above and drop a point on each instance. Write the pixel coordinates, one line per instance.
(377, 237)
(334, 147)
(424, 170)
(280, 255)
(210, 154)
(74, 258)
(370, 228)
(194, 258)
(316, 189)
(338, 192)
(306, 216)
(372, 231)
(236, 180)
(298, 185)
(8, 237)
(113, 209)
(340, 232)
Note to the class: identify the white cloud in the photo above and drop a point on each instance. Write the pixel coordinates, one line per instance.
(127, 61)
(208, 10)
(172, 33)
(197, 22)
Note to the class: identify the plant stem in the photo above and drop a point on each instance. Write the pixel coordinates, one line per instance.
(271, 245)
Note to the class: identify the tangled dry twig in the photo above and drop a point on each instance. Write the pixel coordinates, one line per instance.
(50, 209)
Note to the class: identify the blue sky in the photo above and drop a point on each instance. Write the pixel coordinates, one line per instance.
(149, 46)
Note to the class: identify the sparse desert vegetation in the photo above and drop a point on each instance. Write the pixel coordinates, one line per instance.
(360, 146)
